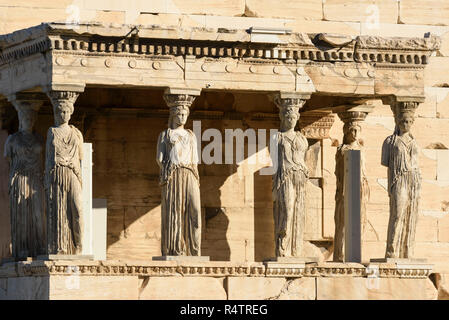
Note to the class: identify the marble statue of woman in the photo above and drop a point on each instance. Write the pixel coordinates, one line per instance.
(63, 182)
(289, 183)
(177, 158)
(351, 141)
(24, 150)
(400, 154)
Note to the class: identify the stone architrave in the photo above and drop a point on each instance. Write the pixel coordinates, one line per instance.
(290, 179)
(24, 151)
(63, 180)
(400, 154)
(177, 157)
(352, 117)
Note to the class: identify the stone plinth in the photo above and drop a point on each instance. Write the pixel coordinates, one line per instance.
(182, 258)
(399, 267)
(399, 261)
(55, 257)
(292, 260)
(213, 280)
(283, 266)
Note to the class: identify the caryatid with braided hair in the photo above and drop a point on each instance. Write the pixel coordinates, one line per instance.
(177, 157)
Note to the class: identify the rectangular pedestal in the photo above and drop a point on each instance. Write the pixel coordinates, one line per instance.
(182, 258)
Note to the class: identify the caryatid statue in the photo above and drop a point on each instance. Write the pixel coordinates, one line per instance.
(289, 181)
(63, 182)
(400, 154)
(177, 157)
(351, 141)
(24, 151)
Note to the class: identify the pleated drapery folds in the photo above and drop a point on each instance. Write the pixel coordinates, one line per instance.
(26, 192)
(181, 205)
(64, 190)
(289, 183)
(404, 186)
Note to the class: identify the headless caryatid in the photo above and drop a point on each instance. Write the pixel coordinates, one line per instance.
(351, 141)
(24, 150)
(289, 182)
(177, 158)
(400, 154)
(63, 178)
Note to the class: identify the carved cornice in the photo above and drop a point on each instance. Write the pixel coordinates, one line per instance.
(212, 269)
(431, 43)
(88, 39)
(24, 50)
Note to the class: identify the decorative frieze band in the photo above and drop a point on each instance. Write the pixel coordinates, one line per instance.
(231, 50)
(46, 268)
(316, 125)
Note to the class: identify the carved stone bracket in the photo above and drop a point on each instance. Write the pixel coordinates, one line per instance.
(290, 100)
(60, 97)
(401, 106)
(27, 100)
(354, 112)
(180, 97)
(64, 94)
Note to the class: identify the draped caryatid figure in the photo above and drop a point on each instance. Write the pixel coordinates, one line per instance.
(400, 154)
(63, 178)
(289, 181)
(351, 141)
(24, 150)
(177, 157)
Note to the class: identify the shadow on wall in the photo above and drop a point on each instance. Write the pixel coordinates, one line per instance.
(215, 222)
(126, 174)
(5, 230)
(264, 245)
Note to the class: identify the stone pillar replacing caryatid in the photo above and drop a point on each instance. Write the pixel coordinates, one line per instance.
(350, 209)
(177, 157)
(289, 182)
(24, 150)
(63, 177)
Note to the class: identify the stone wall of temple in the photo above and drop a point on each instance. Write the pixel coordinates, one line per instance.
(126, 174)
